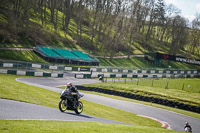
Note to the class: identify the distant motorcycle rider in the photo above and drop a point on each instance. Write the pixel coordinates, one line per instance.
(187, 127)
(73, 89)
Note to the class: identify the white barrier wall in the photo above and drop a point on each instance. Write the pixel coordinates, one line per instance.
(79, 76)
(7, 64)
(125, 71)
(68, 68)
(118, 75)
(53, 67)
(21, 72)
(36, 65)
(38, 74)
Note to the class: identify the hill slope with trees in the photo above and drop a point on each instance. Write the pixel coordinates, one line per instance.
(100, 27)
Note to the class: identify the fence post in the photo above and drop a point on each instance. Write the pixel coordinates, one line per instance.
(152, 83)
(27, 66)
(183, 87)
(125, 81)
(138, 82)
(167, 85)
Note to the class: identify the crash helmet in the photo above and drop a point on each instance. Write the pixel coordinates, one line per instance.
(69, 85)
(186, 123)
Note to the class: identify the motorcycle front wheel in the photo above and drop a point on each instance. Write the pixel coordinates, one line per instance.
(63, 105)
(79, 108)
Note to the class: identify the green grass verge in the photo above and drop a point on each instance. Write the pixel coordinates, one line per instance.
(187, 85)
(190, 95)
(125, 62)
(73, 127)
(28, 56)
(142, 63)
(188, 113)
(11, 89)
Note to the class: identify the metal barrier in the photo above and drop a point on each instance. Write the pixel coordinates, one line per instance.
(29, 65)
(31, 73)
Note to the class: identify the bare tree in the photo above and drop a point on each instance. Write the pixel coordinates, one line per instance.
(68, 10)
(151, 21)
(179, 33)
(96, 8)
(79, 20)
(194, 46)
(171, 10)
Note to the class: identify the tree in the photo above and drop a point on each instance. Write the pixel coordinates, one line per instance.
(160, 12)
(151, 21)
(170, 10)
(96, 8)
(194, 46)
(179, 33)
(79, 20)
(68, 10)
(113, 25)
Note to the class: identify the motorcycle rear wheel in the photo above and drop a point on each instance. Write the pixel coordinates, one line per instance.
(79, 108)
(63, 105)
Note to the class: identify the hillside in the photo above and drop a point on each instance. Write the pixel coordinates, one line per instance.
(95, 29)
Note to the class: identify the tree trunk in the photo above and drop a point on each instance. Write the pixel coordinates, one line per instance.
(52, 10)
(68, 13)
(41, 11)
(56, 23)
(45, 7)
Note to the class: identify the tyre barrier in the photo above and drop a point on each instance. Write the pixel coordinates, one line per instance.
(160, 101)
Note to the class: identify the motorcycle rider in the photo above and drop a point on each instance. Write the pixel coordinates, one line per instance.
(101, 78)
(187, 125)
(71, 88)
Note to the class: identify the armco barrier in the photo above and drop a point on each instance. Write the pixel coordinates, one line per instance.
(13, 64)
(144, 98)
(29, 73)
(107, 75)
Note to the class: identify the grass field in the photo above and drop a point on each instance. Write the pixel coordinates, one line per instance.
(175, 91)
(188, 85)
(73, 127)
(144, 64)
(11, 89)
(192, 114)
(28, 56)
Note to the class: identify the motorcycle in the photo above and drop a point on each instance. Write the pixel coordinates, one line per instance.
(187, 129)
(70, 101)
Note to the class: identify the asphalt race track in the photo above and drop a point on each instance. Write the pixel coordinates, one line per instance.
(175, 120)
(15, 110)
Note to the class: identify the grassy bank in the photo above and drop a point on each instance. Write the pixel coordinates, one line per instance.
(135, 62)
(190, 94)
(11, 89)
(73, 127)
(28, 56)
(144, 64)
(192, 114)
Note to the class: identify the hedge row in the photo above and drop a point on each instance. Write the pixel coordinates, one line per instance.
(144, 98)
